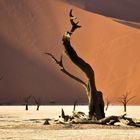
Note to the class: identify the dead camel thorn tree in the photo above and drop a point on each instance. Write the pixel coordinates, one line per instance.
(95, 98)
(26, 100)
(107, 103)
(74, 105)
(124, 99)
(37, 102)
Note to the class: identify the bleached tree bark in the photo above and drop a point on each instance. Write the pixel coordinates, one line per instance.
(95, 98)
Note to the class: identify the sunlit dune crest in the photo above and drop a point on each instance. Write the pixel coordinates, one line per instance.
(30, 28)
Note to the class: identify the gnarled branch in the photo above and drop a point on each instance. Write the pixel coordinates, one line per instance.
(125, 98)
(71, 53)
(60, 63)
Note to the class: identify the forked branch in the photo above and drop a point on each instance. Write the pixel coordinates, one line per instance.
(73, 23)
(26, 100)
(125, 99)
(37, 102)
(60, 64)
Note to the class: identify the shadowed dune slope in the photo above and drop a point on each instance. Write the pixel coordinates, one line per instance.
(121, 9)
(29, 28)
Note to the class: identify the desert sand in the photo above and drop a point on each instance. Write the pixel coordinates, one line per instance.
(18, 124)
(30, 28)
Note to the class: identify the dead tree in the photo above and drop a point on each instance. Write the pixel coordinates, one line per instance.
(107, 103)
(74, 105)
(37, 102)
(124, 99)
(95, 99)
(26, 100)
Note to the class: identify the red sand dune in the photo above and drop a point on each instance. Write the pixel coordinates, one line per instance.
(29, 28)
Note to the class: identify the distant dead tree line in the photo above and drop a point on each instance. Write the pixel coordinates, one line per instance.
(124, 99)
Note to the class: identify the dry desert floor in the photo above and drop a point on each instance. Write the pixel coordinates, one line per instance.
(18, 124)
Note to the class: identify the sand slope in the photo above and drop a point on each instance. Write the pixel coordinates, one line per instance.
(28, 28)
(120, 9)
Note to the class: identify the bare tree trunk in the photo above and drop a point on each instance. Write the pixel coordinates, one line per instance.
(26, 107)
(74, 106)
(107, 103)
(37, 101)
(96, 104)
(37, 107)
(124, 107)
(106, 108)
(26, 100)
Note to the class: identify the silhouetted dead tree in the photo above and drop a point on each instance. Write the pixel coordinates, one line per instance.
(26, 100)
(95, 99)
(37, 102)
(124, 99)
(107, 103)
(74, 105)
